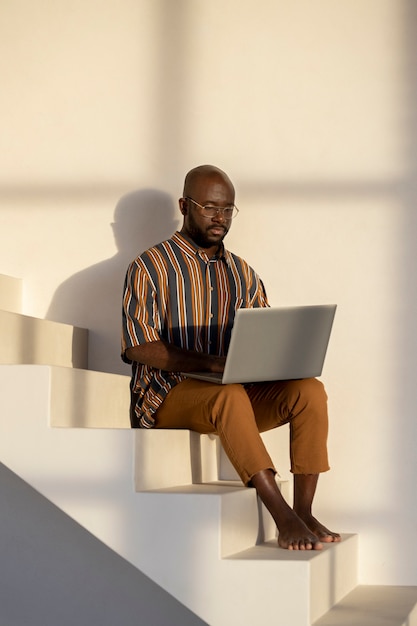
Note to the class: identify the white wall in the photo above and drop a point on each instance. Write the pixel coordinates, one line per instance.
(309, 106)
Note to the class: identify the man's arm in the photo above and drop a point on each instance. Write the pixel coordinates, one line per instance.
(166, 356)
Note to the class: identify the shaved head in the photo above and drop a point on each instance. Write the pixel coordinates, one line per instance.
(204, 172)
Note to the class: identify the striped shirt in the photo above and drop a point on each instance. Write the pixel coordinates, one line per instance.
(176, 293)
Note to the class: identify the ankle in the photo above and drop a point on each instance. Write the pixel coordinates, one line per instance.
(303, 512)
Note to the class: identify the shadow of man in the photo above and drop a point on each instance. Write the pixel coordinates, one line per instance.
(92, 298)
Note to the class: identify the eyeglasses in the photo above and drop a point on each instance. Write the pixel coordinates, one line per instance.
(207, 210)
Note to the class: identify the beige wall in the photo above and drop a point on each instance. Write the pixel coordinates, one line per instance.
(309, 106)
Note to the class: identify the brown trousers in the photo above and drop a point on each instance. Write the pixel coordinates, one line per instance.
(238, 413)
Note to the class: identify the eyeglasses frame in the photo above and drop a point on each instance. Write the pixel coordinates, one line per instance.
(218, 209)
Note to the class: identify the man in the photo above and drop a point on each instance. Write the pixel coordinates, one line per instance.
(179, 303)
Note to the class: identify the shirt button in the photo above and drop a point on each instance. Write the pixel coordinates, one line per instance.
(211, 315)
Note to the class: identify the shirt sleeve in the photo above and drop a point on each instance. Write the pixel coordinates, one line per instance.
(141, 319)
(257, 292)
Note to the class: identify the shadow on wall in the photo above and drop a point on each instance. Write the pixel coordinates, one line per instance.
(92, 298)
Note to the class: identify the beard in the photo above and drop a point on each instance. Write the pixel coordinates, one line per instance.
(205, 237)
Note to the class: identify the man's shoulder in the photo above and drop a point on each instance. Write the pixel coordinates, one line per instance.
(235, 256)
(237, 260)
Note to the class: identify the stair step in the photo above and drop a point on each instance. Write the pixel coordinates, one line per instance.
(29, 340)
(87, 399)
(10, 293)
(189, 458)
(370, 605)
(236, 502)
(324, 576)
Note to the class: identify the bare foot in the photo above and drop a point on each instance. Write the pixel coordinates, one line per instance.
(324, 534)
(295, 535)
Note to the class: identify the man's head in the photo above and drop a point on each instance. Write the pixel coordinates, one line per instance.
(207, 187)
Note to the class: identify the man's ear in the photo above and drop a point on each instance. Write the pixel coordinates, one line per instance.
(183, 205)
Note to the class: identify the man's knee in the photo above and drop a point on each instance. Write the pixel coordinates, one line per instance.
(309, 392)
(313, 388)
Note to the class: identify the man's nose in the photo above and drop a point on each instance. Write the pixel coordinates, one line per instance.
(219, 217)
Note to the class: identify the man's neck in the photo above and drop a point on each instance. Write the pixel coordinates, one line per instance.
(211, 252)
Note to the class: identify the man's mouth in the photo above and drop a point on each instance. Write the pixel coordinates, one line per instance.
(217, 230)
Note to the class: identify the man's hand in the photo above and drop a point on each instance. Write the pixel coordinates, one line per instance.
(167, 357)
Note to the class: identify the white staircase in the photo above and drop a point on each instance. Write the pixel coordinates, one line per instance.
(166, 501)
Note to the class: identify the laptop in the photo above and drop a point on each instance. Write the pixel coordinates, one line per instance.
(275, 343)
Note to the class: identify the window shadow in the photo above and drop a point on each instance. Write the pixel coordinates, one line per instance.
(92, 298)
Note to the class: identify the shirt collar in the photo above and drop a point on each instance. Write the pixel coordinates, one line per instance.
(188, 246)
